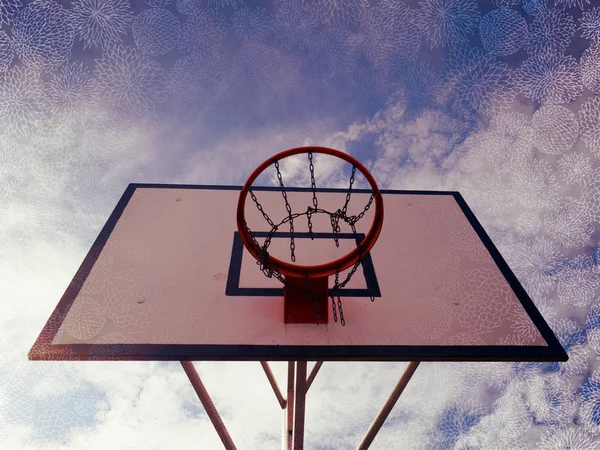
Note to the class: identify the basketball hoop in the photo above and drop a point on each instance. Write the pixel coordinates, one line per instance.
(303, 283)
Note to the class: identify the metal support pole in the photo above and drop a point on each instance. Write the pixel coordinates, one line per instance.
(300, 404)
(313, 374)
(209, 406)
(289, 410)
(273, 382)
(388, 406)
(295, 405)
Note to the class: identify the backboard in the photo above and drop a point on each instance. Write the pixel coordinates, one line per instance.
(169, 279)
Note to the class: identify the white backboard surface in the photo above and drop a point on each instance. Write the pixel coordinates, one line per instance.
(168, 279)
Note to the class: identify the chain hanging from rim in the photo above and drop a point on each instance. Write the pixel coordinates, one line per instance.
(340, 214)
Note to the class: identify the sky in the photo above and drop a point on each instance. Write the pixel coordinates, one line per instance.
(499, 100)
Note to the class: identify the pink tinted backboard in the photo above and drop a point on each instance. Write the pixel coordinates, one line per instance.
(169, 279)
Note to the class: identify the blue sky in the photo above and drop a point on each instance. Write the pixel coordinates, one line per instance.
(499, 100)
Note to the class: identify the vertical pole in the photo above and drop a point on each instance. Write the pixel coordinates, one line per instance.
(284, 431)
(209, 406)
(289, 411)
(300, 404)
(389, 405)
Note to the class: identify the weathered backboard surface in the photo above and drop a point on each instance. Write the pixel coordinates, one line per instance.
(168, 279)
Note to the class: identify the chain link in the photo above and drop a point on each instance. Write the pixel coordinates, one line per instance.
(313, 185)
(309, 214)
(349, 193)
(342, 321)
(335, 291)
(289, 211)
(352, 220)
(335, 226)
(260, 208)
(371, 296)
(333, 308)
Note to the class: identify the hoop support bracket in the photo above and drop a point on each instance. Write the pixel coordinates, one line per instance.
(300, 298)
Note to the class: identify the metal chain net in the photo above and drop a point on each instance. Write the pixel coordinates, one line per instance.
(335, 217)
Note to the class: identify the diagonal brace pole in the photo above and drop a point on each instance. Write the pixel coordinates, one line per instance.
(273, 382)
(388, 406)
(313, 373)
(209, 406)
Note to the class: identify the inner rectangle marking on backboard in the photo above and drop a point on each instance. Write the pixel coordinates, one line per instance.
(246, 279)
